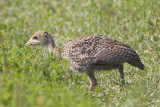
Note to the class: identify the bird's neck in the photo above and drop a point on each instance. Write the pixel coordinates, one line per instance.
(53, 48)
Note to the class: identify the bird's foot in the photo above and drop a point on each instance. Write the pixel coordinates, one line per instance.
(92, 86)
(123, 82)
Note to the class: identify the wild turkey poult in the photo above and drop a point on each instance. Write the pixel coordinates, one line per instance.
(90, 53)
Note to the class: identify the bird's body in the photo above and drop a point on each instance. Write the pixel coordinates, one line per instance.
(94, 53)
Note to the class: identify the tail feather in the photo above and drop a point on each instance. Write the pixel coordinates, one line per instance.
(137, 63)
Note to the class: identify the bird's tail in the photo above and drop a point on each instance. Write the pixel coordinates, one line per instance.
(137, 63)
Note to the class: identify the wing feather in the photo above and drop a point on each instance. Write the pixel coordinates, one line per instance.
(115, 55)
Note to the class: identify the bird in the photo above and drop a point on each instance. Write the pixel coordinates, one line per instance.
(90, 53)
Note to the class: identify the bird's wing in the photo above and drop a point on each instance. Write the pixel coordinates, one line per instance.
(114, 55)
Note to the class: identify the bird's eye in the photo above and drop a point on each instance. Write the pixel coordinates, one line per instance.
(35, 37)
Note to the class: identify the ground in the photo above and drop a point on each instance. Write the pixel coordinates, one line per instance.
(30, 76)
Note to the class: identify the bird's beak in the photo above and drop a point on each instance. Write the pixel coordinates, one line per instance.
(33, 42)
(28, 43)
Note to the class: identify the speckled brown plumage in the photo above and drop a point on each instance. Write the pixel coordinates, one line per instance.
(93, 53)
(88, 52)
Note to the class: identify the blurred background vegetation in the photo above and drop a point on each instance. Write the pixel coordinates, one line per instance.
(31, 77)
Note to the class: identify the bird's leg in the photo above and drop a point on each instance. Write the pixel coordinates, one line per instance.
(121, 73)
(92, 79)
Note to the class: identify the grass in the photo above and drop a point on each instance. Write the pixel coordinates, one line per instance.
(31, 77)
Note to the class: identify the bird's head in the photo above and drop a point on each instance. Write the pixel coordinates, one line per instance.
(40, 38)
